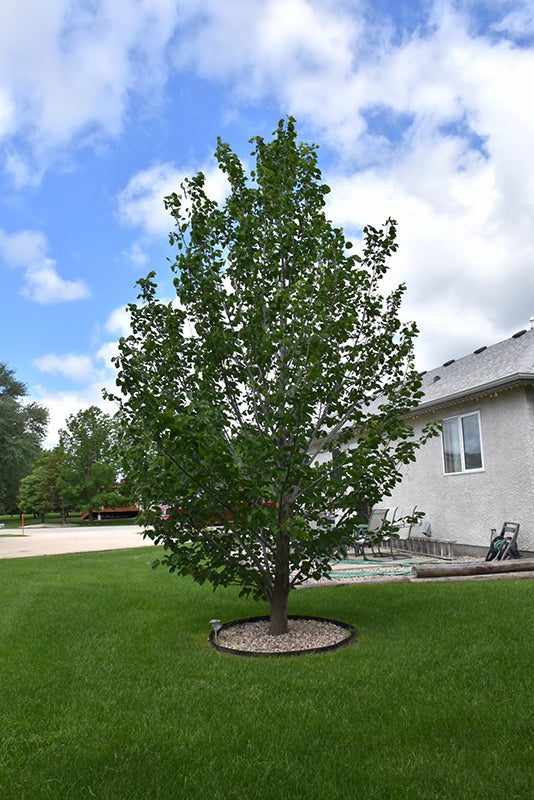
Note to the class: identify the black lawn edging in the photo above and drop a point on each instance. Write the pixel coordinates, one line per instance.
(258, 654)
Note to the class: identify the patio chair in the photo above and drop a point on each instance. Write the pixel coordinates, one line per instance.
(366, 534)
(503, 545)
(402, 523)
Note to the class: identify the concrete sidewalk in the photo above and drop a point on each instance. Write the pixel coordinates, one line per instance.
(44, 541)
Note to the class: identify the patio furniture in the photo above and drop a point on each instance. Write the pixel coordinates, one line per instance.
(366, 535)
(402, 524)
(503, 545)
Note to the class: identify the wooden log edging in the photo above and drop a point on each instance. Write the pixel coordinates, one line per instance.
(495, 577)
(473, 569)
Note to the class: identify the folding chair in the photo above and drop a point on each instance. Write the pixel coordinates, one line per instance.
(402, 523)
(364, 533)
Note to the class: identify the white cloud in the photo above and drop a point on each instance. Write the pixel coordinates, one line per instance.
(107, 352)
(7, 113)
(283, 38)
(519, 22)
(42, 284)
(137, 255)
(118, 325)
(457, 175)
(69, 365)
(95, 371)
(140, 204)
(21, 249)
(20, 170)
(68, 70)
(469, 282)
(118, 322)
(432, 126)
(62, 404)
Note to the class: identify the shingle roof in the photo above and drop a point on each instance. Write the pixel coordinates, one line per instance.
(498, 366)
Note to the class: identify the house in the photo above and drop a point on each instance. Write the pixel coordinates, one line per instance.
(480, 471)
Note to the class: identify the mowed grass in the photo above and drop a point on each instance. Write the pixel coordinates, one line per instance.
(109, 690)
(13, 521)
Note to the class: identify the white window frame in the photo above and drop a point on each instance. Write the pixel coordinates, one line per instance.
(463, 470)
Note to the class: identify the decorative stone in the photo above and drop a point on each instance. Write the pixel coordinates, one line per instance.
(251, 637)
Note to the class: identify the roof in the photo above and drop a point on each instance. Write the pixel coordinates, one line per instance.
(500, 366)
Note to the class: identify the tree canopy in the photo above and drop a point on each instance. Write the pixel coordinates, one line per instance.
(278, 351)
(22, 430)
(39, 491)
(89, 462)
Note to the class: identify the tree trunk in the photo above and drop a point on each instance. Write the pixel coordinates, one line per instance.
(278, 621)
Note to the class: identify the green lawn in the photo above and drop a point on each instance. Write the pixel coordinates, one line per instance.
(109, 690)
(13, 522)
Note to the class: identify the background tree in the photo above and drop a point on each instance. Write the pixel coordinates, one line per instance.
(22, 430)
(39, 492)
(281, 348)
(88, 472)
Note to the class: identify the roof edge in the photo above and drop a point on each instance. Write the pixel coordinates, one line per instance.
(509, 382)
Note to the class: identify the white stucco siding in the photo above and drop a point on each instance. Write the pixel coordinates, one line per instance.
(322, 458)
(464, 507)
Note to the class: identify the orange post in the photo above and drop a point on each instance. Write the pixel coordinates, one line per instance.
(22, 517)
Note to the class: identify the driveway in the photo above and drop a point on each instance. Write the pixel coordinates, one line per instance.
(47, 541)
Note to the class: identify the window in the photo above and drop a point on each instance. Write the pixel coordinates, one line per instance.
(462, 444)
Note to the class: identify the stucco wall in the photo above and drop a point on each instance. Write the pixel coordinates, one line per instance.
(464, 507)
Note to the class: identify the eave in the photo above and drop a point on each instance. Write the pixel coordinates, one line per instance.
(475, 392)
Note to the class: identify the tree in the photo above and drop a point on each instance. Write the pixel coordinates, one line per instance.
(88, 463)
(39, 492)
(22, 430)
(279, 350)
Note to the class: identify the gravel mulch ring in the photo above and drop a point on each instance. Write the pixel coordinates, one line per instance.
(250, 637)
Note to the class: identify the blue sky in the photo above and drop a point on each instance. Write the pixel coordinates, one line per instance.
(423, 112)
